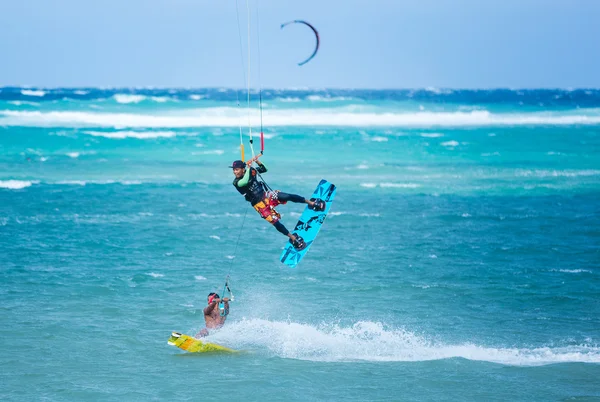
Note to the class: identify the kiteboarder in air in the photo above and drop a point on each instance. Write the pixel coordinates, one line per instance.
(265, 200)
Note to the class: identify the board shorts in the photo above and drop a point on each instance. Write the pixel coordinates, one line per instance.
(266, 207)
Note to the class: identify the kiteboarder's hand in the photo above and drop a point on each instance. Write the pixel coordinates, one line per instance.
(226, 299)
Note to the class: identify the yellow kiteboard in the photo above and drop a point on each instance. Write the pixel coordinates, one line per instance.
(194, 345)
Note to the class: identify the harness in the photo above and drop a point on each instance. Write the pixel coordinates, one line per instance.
(266, 207)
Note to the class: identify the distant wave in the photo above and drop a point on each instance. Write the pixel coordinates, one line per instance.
(132, 134)
(29, 92)
(450, 143)
(467, 99)
(372, 341)
(124, 98)
(230, 117)
(16, 184)
(556, 173)
(390, 185)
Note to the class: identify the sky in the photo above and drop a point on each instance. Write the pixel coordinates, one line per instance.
(364, 43)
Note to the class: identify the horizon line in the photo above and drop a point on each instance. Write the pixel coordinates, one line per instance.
(291, 88)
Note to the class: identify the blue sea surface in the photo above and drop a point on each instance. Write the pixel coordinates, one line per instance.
(460, 259)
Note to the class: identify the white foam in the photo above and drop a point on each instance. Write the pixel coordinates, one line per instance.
(373, 341)
(289, 99)
(15, 184)
(318, 98)
(572, 271)
(379, 139)
(449, 144)
(399, 185)
(199, 278)
(215, 237)
(29, 92)
(72, 182)
(160, 99)
(73, 154)
(80, 92)
(197, 97)
(229, 117)
(556, 173)
(142, 135)
(336, 213)
(20, 103)
(390, 185)
(431, 135)
(155, 275)
(125, 98)
(362, 166)
(98, 182)
(211, 152)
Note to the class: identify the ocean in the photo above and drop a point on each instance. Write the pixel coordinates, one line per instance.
(460, 260)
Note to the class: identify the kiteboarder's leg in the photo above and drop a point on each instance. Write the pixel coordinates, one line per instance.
(266, 209)
(314, 204)
(297, 241)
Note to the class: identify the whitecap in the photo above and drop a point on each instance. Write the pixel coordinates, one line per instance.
(399, 185)
(341, 117)
(142, 135)
(125, 98)
(16, 184)
(449, 144)
(37, 93)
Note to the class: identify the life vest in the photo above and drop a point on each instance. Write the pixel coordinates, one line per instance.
(254, 191)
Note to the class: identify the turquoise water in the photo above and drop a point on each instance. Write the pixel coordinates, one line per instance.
(460, 260)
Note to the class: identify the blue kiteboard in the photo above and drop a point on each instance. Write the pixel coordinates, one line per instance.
(309, 224)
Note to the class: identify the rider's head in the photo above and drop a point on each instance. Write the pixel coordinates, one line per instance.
(239, 167)
(212, 296)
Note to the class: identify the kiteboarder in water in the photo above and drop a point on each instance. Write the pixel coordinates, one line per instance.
(264, 200)
(213, 317)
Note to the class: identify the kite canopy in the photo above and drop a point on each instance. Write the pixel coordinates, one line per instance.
(316, 37)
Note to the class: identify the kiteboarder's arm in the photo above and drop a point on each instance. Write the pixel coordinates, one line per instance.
(209, 309)
(261, 167)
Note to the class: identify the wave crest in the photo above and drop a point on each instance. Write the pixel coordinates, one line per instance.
(342, 117)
